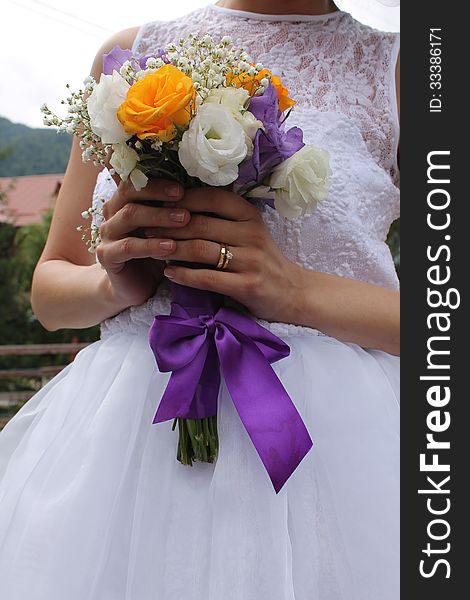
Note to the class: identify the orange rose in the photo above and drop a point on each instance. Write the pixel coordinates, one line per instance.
(251, 84)
(156, 103)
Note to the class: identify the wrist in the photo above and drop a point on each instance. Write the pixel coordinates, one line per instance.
(299, 293)
(307, 298)
(112, 301)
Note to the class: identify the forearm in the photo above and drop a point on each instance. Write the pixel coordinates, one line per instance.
(65, 295)
(349, 310)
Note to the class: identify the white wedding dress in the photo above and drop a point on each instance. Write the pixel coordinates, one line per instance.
(94, 505)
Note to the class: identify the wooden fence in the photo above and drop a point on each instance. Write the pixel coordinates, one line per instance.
(11, 401)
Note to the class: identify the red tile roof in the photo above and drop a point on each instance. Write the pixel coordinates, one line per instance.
(28, 197)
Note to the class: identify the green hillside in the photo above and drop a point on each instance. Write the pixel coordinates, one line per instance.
(28, 151)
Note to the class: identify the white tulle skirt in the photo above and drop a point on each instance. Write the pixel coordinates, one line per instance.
(94, 505)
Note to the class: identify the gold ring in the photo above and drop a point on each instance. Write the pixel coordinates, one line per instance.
(225, 257)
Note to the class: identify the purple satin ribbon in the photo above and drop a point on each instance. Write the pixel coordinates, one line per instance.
(195, 348)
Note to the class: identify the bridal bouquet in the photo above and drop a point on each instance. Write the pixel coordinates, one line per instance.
(203, 113)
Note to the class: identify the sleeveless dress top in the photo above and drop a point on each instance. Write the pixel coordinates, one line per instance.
(342, 75)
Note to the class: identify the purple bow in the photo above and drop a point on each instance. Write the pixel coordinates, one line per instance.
(194, 348)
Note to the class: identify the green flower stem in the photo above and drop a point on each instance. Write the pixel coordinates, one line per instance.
(167, 174)
(198, 440)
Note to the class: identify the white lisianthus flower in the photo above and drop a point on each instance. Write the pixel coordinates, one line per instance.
(262, 191)
(124, 161)
(103, 103)
(139, 179)
(301, 182)
(235, 99)
(250, 125)
(213, 146)
(231, 97)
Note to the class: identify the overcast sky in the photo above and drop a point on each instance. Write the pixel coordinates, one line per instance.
(48, 43)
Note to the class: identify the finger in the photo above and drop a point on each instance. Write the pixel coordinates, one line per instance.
(229, 284)
(212, 229)
(162, 190)
(112, 256)
(204, 252)
(133, 216)
(220, 202)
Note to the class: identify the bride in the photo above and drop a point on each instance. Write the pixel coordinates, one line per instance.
(93, 504)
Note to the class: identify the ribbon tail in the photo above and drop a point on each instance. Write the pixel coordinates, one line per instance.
(192, 391)
(264, 406)
(177, 398)
(204, 402)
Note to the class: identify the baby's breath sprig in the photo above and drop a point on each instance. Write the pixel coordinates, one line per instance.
(97, 218)
(77, 122)
(209, 62)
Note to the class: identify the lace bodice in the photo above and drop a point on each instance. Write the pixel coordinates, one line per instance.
(342, 75)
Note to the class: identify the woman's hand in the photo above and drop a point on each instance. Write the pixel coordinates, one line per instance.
(135, 265)
(267, 283)
(258, 276)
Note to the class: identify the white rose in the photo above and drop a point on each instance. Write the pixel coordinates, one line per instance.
(213, 146)
(103, 104)
(235, 100)
(124, 161)
(301, 182)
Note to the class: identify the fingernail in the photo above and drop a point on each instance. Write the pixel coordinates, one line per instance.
(167, 245)
(173, 191)
(178, 216)
(169, 273)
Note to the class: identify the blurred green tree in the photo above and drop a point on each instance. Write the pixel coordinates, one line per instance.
(20, 249)
(393, 240)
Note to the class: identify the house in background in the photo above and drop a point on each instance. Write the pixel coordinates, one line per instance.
(23, 202)
(28, 197)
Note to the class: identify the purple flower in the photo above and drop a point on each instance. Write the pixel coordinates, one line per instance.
(162, 55)
(114, 60)
(270, 147)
